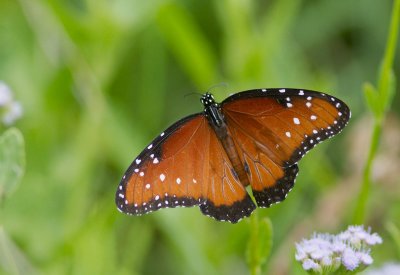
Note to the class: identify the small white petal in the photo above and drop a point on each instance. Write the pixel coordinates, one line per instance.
(350, 259)
(311, 265)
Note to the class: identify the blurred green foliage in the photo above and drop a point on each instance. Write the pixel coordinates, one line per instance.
(12, 161)
(99, 79)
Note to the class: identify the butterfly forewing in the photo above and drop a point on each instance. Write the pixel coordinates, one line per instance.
(274, 128)
(162, 175)
(185, 166)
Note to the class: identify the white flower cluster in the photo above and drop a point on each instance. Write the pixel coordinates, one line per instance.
(349, 250)
(10, 110)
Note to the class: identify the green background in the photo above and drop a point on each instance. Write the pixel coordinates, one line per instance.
(99, 79)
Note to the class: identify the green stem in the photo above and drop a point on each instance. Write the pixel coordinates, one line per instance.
(366, 181)
(384, 97)
(391, 42)
(386, 73)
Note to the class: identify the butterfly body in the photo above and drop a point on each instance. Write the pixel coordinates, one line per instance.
(213, 113)
(207, 159)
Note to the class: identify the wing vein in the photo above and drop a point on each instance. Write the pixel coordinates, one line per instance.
(254, 139)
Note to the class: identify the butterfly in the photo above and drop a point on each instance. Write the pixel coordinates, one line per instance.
(253, 138)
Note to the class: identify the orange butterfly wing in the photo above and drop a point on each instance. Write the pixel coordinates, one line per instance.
(273, 129)
(185, 166)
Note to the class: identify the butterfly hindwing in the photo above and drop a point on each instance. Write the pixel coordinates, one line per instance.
(227, 199)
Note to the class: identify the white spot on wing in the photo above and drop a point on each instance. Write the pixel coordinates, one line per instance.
(313, 117)
(141, 174)
(282, 90)
(289, 105)
(148, 186)
(301, 92)
(296, 120)
(155, 161)
(288, 134)
(162, 177)
(178, 181)
(138, 161)
(150, 146)
(308, 104)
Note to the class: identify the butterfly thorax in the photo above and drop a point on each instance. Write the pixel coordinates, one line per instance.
(212, 110)
(215, 117)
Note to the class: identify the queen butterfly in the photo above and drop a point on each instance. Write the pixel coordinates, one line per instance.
(254, 138)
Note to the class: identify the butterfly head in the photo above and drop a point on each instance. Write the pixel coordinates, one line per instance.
(208, 100)
(212, 110)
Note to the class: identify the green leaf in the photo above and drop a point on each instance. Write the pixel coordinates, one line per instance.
(260, 243)
(12, 260)
(265, 237)
(371, 96)
(12, 160)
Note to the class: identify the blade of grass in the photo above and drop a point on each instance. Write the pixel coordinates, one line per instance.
(188, 44)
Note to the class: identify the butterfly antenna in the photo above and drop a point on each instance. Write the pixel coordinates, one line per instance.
(222, 84)
(194, 93)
